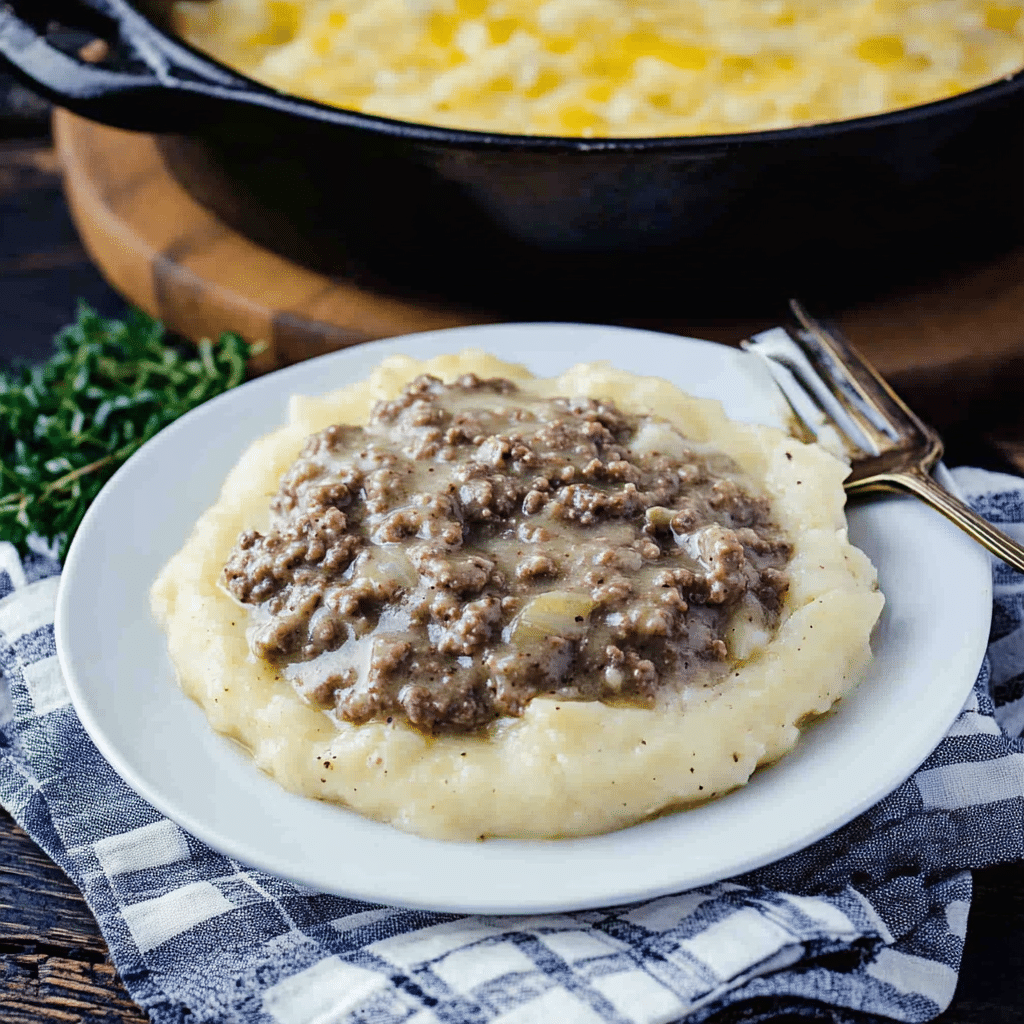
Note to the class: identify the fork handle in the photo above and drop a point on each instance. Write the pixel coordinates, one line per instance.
(922, 485)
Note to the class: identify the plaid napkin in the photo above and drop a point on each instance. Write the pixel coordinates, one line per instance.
(870, 919)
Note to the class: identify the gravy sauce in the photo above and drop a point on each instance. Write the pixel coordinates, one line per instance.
(474, 546)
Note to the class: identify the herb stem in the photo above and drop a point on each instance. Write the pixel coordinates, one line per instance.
(67, 425)
(77, 474)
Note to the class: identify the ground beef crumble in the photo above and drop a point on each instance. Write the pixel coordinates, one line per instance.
(473, 547)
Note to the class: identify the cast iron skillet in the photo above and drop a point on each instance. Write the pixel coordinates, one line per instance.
(550, 227)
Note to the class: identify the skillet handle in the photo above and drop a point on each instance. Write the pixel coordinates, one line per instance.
(155, 84)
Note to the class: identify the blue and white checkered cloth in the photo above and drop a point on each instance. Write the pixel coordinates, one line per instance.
(872, 918)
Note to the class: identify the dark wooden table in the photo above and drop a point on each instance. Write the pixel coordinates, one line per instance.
(53, 960)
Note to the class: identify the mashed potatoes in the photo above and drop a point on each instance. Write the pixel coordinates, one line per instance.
(563, 768)
(613, 67)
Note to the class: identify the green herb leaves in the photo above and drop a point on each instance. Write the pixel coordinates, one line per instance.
(66, 426)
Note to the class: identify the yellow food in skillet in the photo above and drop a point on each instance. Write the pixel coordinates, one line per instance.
(609, 68)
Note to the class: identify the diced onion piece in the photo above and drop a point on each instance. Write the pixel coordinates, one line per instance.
(659, 516)
(389, 565)
(556, 613)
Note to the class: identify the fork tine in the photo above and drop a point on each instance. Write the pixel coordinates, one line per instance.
(809, 393)
(810, 419)
(847, 390)
(859, 381)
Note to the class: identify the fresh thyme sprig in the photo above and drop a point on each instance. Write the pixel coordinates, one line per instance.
(67, 425)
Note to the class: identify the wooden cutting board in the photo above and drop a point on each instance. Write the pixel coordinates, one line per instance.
(953, 347)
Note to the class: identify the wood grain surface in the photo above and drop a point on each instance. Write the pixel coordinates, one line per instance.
(53, 960)
(44, 270)
(172, 258)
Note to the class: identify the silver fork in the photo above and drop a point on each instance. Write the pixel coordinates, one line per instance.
(840, 400)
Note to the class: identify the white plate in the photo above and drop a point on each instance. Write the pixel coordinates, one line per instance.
(929, 644)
